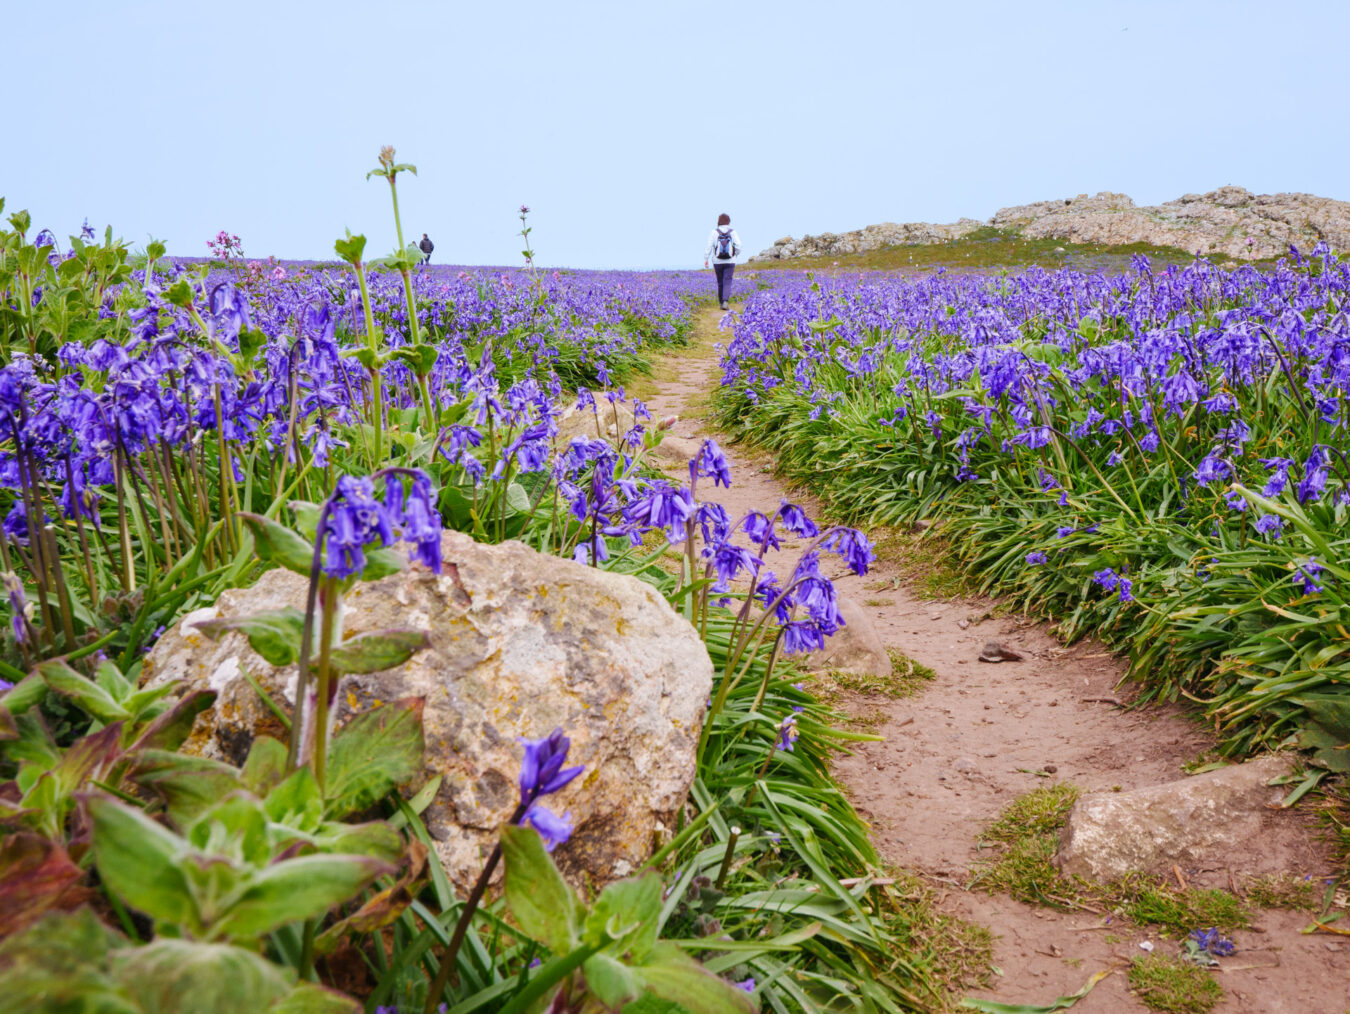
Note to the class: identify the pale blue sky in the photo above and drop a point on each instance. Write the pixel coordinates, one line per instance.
(629, 126)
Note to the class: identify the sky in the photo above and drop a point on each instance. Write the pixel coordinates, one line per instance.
(628, 127)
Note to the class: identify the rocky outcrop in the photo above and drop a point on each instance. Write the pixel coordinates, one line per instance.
(520, 643)
(1189, 822)
(1230, 221)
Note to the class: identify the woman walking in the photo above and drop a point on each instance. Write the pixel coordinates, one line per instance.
(724, 246)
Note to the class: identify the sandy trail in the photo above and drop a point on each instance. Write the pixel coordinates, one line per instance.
(954, 755)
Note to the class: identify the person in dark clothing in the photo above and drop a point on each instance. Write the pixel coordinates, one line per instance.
(724, 246)
(426, 246)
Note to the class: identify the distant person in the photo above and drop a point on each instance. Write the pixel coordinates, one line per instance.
(426, 246)
(724, 246)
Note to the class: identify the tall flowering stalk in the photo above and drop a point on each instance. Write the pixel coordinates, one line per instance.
(541, 774)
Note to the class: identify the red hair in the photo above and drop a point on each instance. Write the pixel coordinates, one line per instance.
(723, 219)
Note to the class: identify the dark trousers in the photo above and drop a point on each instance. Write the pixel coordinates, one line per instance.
(724, 273)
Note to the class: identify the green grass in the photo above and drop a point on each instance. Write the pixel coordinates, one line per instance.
(1284, 890)
(1172, 985)
(1180, 911)
(990, 249)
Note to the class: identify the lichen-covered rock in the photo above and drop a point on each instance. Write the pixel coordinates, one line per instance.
(520, 643)
(1191, 821)
(1230, 221)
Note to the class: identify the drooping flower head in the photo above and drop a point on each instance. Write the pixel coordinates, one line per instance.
(355, 520)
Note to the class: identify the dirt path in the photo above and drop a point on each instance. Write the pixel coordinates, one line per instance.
(954, 755)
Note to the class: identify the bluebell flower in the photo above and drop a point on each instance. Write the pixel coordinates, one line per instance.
(355, 520)
(1108, 579)
(1211, 941)
(1270, 524)
(541, 769)
(711, 462)
(1036, 558)
(794, 520)
(787, 734)
(1306, 576)
(553, 829)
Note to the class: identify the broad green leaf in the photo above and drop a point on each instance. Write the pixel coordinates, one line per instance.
(60, 963)
(23, 695)
(87, 695)
(296, 802)
(673, 975)
(265, 766)
(140, 701)
(350, 248)
(188, 785)
(306, 518)
(373, 754)
(34, 873)
(171, 729)
(378, 650)
(275, 635)
(381, 563)
(176, 976)
(626, 913)
(138, 861)
(611, 981)
(281, 545)
(236, 827)
(309, 998)
(374, 838)
(539, 899)
(295, 890)
(110, 678)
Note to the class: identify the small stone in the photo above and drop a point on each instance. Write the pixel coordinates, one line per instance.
(1050, 769)
(964, 764)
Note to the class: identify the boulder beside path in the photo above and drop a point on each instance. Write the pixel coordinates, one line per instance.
(1191, 822)
(521, 642)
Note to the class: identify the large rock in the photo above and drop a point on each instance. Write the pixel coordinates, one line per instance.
(856, 647)
(520, 643)
(1188, 822)
(1229, 220)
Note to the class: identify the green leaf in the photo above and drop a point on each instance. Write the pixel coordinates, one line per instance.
(34, 873)
(673, 975)
(378, 650)
(421, 359)
(174, 976)
(278, 544)
(88, 696)
(140, 701)
(381, 563)
(350, 248)
(626, 913)
(275, 635)
(23, 695)
(60, 963)
(295, 890)
(540, 900)
(179, 294)
(309, 998)
(373, 754)
(306, 518)
(296, 802)
(250, 341)
(171, 729)
(611, 981)
(138, 861)
(1059, 1003)
(188, 785)
(110, 678)
(265, 766)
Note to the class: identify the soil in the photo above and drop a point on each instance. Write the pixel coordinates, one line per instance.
(980, 734)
